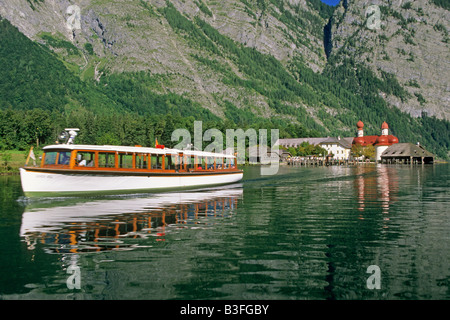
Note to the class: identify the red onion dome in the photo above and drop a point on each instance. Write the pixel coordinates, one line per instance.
(382, 140)
(358, 140)
(393, 139)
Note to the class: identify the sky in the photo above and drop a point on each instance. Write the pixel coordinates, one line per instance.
(331, 2)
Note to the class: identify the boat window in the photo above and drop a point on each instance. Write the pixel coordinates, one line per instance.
(210, 163)
(172, 162)
(200, 163)
(189, 161)
(141, 161)
(169, 163)
(64, 157)
(85, 159)
(218, 163)
(156, 161)
(50, 157)
(229, 163)
(106, 159)
(125, 160)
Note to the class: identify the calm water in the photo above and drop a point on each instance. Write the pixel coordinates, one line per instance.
(306, 233)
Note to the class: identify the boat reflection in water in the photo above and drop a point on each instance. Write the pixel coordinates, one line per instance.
(113, 224)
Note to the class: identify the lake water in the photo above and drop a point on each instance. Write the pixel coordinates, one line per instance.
(305, 233)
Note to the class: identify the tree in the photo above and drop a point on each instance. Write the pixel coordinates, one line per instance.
(292, 151)
(369, 151)
(357, 150)
(318, 150)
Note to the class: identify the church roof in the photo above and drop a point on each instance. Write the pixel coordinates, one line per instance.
(296, 142)
(376, 140)
(366, 140)
(299, 141)
(344, 142)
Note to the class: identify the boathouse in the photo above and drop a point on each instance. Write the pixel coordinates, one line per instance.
(407, 153)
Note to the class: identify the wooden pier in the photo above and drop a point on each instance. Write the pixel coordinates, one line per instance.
(317, 161)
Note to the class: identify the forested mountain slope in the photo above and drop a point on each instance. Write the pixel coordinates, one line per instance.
(135, 70)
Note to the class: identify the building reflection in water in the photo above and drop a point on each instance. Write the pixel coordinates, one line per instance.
(113, 224)
(376, 185)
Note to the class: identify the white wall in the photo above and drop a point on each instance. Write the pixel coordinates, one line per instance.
(378, 151)
(339, 152)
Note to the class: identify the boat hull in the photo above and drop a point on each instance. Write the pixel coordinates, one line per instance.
(37, 182)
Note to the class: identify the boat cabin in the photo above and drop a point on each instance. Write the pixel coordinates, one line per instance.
(136, 159)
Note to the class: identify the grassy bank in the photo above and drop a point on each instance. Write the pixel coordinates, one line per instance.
(12, 160)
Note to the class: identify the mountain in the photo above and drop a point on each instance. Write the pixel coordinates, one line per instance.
(296, 65)
(172, 41)
(411, 41)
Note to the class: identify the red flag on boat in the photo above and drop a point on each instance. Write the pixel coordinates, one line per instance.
(157, 145)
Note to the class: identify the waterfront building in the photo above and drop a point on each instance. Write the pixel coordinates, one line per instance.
(381, 143)
(339, 149)
(407, 153)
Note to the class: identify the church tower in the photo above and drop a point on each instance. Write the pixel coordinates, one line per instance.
(384, 129)
(360, 126)
(384, 141)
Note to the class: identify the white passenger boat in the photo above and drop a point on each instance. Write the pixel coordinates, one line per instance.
(70, 169)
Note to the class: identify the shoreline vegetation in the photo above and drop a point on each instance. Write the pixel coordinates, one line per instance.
(12, 160)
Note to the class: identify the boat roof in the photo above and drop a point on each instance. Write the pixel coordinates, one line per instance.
(87, 147)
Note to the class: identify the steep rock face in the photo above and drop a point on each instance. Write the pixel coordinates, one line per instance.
(262, 25)
(410, 39)
(136, 35)
(33, 16)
